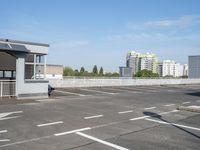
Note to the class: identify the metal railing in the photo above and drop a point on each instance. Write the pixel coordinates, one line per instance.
(7, 88)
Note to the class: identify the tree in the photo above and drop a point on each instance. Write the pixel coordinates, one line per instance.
(82, 71)
(115, 74)
(95, 70)
(101, 71)
(76, 73)
(146, 73)
(67, 71)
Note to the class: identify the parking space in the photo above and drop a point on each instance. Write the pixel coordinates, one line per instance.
(123, 118)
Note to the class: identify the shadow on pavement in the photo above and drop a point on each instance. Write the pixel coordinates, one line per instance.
(194, 94)
(155, 115)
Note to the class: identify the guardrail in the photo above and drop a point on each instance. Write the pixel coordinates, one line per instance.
(7, 88)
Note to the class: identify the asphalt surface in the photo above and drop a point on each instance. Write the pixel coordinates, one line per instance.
(123, 118)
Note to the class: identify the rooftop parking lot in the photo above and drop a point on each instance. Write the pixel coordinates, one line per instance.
(107, 118)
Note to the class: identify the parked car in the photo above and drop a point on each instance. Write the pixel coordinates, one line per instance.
(50, 89)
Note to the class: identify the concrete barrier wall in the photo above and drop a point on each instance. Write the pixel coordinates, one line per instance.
(118, 82)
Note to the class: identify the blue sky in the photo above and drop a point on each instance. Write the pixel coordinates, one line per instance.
(88, 32)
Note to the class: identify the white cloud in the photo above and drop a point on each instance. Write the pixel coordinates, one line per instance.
(70, 44)
(181, 22)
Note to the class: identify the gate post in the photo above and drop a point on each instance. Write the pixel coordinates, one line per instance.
(1, 92)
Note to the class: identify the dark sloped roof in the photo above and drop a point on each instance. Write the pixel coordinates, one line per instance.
(13, 48)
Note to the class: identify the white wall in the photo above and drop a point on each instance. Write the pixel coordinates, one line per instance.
(28, 88)
(118, 82)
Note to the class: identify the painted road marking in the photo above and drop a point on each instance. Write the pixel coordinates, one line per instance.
(9, 113)
(101, 141)
(3, 115)
(124, 90)
(124, 112)
(4, 140)
(131, 90)
(9, 118)
(91, 117)
(25, 141)
(48, 124)
(144, 117)
(174, 124)
(70, 93)
(186, 102)
(72, 131)
(90, 90)
(139, 118)
(149, 108)
(3, 131)
(169, 105)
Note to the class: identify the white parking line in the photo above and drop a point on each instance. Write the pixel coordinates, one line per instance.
(139, 118)
(72, 131)
(149, 108)
(4, 140)
(3, 131)
(124, 112)
(48, 124)
(175, 124)
(24, 141)
(9, 113)
(144, 117)
(186, 102)
(101, 141)
(131, 90)
(169, 105)
(90, 90)
(69, 93)
(91, 117)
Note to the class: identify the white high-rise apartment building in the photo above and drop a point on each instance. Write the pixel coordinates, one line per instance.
(138, 61)
(171, 68)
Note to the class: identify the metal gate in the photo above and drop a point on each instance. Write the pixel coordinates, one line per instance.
(7, 88)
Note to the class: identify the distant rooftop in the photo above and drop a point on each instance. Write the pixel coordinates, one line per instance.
(134, 53)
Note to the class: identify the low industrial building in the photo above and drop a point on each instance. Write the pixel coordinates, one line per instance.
(54, 71)
(21, 66)
(125, 72)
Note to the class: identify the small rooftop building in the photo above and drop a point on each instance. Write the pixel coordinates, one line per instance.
(194, 66)
(21, 66)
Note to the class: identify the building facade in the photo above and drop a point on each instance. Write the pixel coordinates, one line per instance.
(173, 69)
(138, 61)
(125, 72)
(54, 71)
(194, 66)
(20, 64)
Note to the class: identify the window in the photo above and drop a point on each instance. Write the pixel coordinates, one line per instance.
(1, 74)
(8, 74)
(35, 67)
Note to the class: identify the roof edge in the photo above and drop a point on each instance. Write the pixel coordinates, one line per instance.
(24, 42)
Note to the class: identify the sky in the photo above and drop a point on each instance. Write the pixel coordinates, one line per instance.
(101, 32)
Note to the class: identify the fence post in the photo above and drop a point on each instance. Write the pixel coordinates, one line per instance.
(1, 92)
